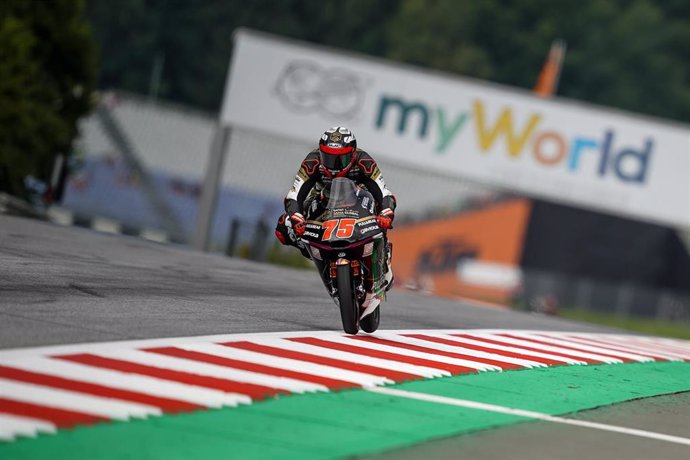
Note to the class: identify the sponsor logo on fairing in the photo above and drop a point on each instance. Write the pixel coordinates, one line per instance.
(344, 212)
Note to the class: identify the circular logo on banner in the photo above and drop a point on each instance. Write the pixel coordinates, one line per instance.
(306, 87)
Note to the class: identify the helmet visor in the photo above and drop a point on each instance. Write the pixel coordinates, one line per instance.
(336, 159)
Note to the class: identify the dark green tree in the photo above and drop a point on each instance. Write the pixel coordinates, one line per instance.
(192, 40)
(630, 54)
(626, 54)
(47, 77)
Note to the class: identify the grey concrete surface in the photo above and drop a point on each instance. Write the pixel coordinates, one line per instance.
(68, 285)
(548, 441)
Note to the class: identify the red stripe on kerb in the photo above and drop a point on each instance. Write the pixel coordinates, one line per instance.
(566, 347)
(252, 390)
(487, 349)
(524, 347)
(165, 404)
(502, 364)
(60, 417)
(363, 368)
(452, 368)
(333, 384)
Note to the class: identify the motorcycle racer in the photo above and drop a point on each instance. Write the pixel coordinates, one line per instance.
(336, 156)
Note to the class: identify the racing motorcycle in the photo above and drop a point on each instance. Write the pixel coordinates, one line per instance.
(348, 247)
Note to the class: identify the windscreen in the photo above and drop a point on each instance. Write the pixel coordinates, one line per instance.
(342, 193)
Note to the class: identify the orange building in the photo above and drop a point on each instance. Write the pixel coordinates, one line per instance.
(475, 254)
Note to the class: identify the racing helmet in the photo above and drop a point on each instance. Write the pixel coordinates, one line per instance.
(338, 148)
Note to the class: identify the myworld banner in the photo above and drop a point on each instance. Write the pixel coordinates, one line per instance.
(564, 151)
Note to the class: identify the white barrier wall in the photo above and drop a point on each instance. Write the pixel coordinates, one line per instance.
(590, 157)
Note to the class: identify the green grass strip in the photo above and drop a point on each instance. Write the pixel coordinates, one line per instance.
(356, 422)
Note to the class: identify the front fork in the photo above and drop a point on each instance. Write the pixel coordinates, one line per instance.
(355, 272)
(354, 266)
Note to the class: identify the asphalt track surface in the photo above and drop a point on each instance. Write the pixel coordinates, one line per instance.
(62, 285)
(68, 285)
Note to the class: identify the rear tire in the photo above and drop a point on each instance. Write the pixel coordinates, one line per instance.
(349, 310)
(371, 322)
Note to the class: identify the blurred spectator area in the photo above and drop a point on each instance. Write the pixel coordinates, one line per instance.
(145, 170)
(105, 186)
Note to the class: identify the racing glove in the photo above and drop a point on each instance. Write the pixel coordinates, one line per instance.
(385, 219)
(298, 223)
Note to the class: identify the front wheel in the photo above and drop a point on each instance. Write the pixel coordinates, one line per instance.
(349, 310)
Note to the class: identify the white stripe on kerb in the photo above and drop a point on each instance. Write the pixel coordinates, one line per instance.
(676, 349)
(74, 401)
(212, 370)
(679, 342)
(459, 350)
(304, 367)
(397, 366)
(614, 347)
(414, 354)
(640, 348)
(527, 414)
(13, 425)
(508, 348)
(132, 382)
(588, 348)
(551, 348)
(685, 344)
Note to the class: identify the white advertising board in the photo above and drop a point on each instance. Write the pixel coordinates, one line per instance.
(567, 152)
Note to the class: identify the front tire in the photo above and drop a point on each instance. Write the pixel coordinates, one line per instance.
(349, 310)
